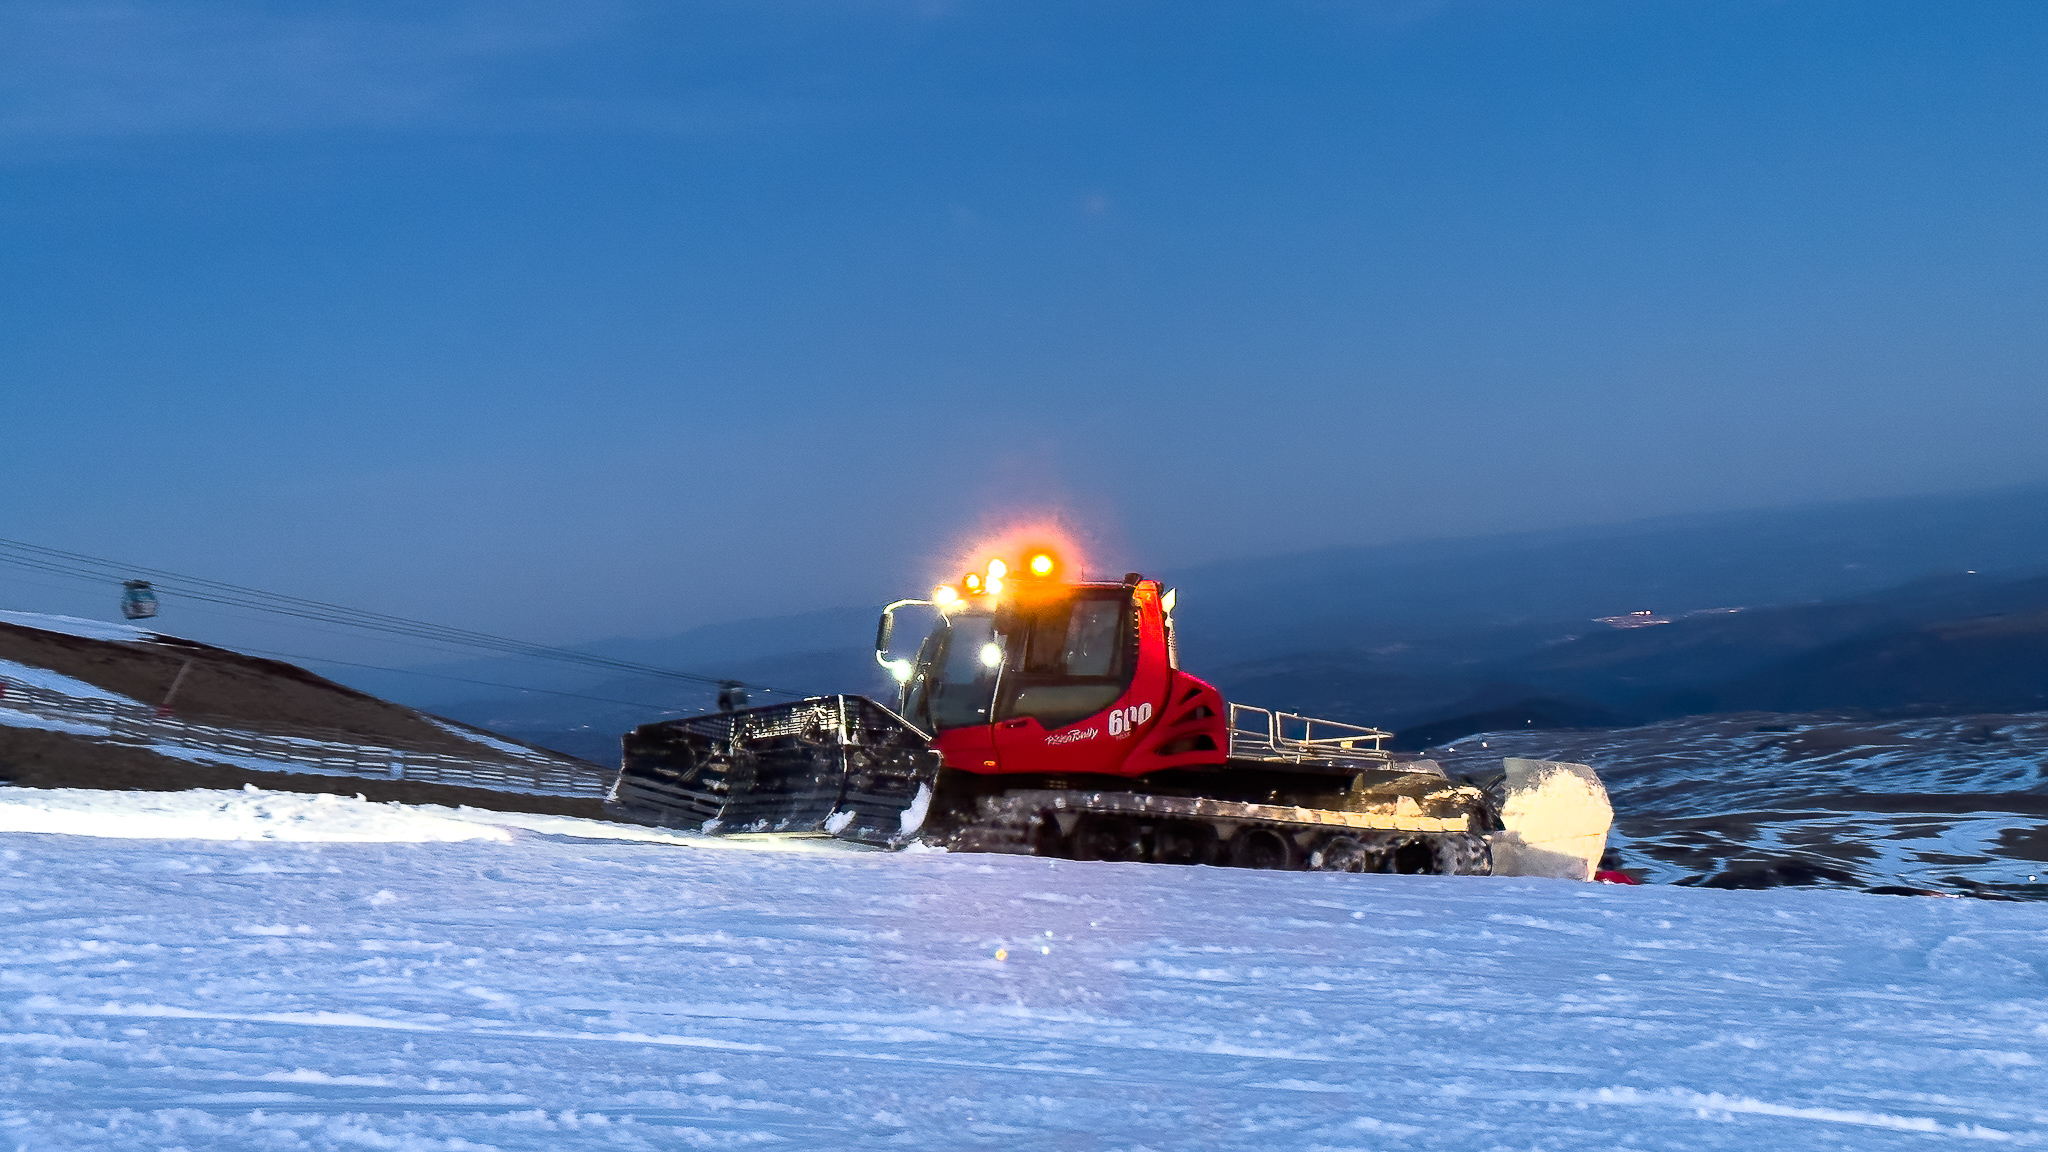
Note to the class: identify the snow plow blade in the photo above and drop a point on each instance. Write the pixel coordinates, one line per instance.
(1554, 819)
(841, 766)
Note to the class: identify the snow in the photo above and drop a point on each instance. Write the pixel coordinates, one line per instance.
(76, 626)
(200, 754)
(57, 682)
(913, 816)
(255, 814)
(250, 814)
(1928, 802)
(552, 987)
(474, 737)
(1556, 819)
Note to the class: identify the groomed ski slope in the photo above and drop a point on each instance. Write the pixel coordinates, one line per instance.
(407, 984)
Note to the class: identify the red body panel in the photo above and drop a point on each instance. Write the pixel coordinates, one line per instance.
(1165, 719)
(969, 749)
(1192, 730)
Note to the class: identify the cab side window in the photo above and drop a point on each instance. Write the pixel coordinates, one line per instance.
(1074, 663)
(1092, 638)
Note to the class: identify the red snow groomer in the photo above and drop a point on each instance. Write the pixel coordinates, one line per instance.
(1051, 717)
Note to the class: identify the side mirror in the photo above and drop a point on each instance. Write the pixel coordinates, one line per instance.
(886, 629)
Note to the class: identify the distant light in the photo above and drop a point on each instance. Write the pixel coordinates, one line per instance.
(973, 582)
(997, 569)
(944, 595)
(1041, 565)
(995, 585)
(900, 669)
(991, 654)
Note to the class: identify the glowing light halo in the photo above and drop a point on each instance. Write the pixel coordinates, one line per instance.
(1016, 543)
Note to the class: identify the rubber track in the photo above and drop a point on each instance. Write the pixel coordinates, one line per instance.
(1019, 822)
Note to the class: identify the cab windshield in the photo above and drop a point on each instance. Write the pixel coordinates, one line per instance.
(1056, 660)
(954, 687)
(1072, 656)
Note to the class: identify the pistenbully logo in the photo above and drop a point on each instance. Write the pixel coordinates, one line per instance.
(1076, 734)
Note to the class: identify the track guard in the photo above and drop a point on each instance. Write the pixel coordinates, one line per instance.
(1554, 817)
(843, 766)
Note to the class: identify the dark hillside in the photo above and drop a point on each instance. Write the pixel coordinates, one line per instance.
(1954, 803)
(31, 758)
(223, 685)
(1960, 641)
(1956, 643)
(83, 708)
(1982, 664)
(1403, 593)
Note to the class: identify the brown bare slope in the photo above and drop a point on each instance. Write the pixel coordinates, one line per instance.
(223, 690)
(31, 758)
(225, 686)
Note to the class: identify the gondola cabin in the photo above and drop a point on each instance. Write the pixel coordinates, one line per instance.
(138, 600)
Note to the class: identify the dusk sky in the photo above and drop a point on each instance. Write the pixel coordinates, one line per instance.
(586, 319)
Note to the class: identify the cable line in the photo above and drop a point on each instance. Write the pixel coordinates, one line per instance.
(457, 679)
(76, 564)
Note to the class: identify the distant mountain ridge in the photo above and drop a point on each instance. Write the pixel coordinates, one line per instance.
(1417, 633)
(1380, 595)
(1971, 643)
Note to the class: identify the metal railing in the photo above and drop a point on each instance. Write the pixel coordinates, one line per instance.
(1263, 734)
(292, 748)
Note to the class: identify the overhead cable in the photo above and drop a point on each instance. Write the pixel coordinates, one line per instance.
(23, 554)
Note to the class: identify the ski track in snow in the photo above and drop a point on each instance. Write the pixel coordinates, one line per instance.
(554, 989)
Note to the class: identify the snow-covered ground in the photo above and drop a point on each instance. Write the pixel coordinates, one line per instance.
(76, 626)
(541, 987)
(14, 675)
(48, 681)
(1760, 799)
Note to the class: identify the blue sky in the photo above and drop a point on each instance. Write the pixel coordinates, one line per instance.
(582, 319)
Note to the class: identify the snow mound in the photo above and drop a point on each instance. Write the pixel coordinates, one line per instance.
(255, 814)
(219, 815)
